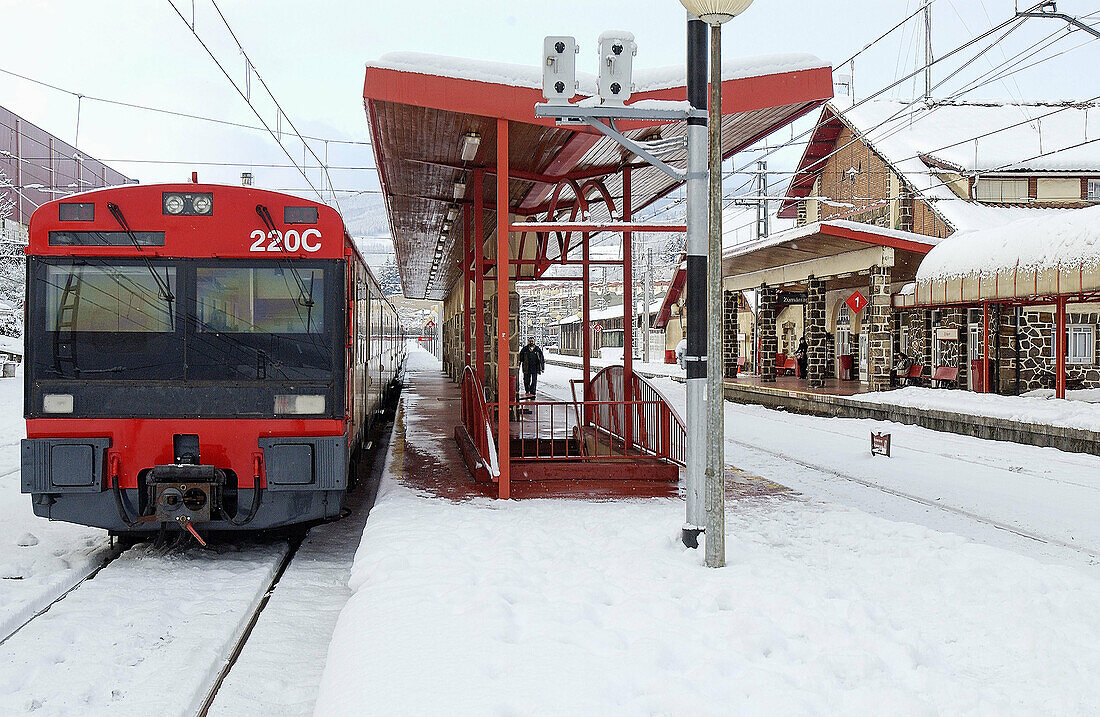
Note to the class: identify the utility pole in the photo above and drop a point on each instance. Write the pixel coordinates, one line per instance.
(715, 500)
(928, 52)
(762, 221)
(695, 357)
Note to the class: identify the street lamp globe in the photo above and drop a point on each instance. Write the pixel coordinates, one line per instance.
(716, 12)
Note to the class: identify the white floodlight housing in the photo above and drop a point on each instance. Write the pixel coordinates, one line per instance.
(469, 146)
(559, 69)
(716, 12)
(617, 51)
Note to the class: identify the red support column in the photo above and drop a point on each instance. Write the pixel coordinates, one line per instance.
(479, 275)
(985, 347)
(467, 284)
(503, 309)
(628, 317)
(1060, 348)
(586, 328)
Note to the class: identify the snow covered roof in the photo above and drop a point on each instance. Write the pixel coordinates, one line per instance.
(530, 76)
(922, 143)
(1034, 257)
(1067, 241)
(843, 227)
(610, 312)
(11, 345)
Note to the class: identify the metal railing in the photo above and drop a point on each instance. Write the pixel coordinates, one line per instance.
(602, 426)
(476, 419)
(648, 422)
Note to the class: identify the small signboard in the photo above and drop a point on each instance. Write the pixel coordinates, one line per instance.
(947, 334)
(880, 444)
(430, 325)
(791, 297)
(856, 302)
(597, 328)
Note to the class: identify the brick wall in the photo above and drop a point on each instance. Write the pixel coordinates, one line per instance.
(769, 343)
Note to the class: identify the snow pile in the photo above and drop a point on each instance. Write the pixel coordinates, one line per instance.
(1040, 408)
(560, 607)
(1069, 240)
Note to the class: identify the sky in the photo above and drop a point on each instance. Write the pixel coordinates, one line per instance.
(311, 55)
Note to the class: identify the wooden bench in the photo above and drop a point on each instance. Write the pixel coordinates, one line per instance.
(945, 375)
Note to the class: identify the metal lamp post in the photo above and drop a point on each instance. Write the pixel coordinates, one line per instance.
(709, 274)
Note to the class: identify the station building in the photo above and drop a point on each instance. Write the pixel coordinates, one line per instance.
(879, 186)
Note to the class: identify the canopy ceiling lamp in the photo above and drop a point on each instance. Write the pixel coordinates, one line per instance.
(708, 272)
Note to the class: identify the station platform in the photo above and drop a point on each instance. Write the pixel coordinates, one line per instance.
(426, 456)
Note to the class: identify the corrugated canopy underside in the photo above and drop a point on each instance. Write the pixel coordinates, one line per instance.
(418, 121)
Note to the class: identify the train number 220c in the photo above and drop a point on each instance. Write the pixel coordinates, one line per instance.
(290, 241)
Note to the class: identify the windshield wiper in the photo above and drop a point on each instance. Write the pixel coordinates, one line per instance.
(164, 284)
(305, 297)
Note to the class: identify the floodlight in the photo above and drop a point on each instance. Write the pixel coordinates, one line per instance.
(617, 51)
(559, 69)
(716, 12)
(470, 143)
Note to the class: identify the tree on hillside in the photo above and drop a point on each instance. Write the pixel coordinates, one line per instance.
(12, 268)
(390, 278)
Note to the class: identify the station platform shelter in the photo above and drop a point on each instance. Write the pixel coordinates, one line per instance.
(481, 195)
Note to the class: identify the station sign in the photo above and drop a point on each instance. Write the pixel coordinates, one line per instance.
(947, 334)
(856, 302)
(880, 444)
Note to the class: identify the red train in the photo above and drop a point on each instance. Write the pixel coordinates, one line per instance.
(199, 355)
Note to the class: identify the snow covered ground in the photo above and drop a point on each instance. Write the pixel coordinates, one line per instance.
(145, 637)
(39, 560)
(569, 607)
(651, 368)
(1081, 410)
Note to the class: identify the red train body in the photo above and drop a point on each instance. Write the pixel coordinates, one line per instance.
(198, 355)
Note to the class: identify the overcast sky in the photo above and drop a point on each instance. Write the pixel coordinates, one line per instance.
(312, 54)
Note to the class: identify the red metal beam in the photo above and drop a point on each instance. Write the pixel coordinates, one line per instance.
(479, 275)
(628, 314)
(504, 371)
(596, 227)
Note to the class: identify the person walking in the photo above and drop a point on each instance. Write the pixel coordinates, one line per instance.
(531, 362)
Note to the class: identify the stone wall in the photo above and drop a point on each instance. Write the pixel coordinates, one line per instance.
(1037, 351)
(730, 349)
(880, 315)
(769, 343)
(816, 338)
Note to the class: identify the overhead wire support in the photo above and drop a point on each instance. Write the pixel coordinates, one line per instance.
(279, 107)
(1060, 16)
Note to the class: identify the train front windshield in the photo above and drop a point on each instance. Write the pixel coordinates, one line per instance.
(185, 322)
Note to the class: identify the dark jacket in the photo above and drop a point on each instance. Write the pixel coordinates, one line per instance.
(531, 360)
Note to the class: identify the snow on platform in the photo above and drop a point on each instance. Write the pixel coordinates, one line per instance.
(576, 608)
(1082, 410)
(565, 607)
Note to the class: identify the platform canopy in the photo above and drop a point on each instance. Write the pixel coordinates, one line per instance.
(421, 107)
(837, 250)
(1032, 259)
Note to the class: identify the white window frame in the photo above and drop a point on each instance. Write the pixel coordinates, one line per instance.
(1087, 358)
(903, 340)
(1094, 189)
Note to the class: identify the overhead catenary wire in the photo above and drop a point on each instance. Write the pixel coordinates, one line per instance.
(248, 101)
(164, 111)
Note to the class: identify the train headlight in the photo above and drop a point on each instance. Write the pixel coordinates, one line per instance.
(173, 203)
(299, 405)
(201, 203)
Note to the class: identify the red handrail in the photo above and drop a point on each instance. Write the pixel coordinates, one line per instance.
(475, 419)
(658, 428)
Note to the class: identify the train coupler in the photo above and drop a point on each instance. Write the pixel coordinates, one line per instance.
(185, 492)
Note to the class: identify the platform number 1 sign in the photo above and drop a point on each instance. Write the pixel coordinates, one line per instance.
(856, 302)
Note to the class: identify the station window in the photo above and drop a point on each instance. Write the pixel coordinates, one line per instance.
(1094, 189)
(1001, 190)
(1082, 344)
